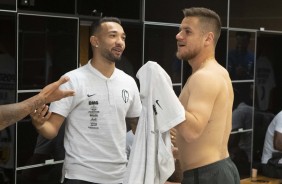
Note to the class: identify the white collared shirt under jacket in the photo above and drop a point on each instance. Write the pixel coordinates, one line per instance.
(151, 160)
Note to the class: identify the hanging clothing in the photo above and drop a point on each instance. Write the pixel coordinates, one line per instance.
(151, 160)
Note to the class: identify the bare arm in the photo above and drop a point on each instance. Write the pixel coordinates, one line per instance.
(277, 141)
(11, 113)
(202, 94)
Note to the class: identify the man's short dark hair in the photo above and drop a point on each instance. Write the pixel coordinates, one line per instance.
(207, 17)
(96, 25)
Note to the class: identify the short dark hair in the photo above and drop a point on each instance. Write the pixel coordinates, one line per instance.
(206, 16)
(96, 25)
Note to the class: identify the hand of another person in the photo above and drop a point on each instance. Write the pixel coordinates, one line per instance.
(173, 136)
(40, 115)
(175, 153)
(52, 92)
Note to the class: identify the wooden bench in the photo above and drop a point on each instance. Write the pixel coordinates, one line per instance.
(261, 180)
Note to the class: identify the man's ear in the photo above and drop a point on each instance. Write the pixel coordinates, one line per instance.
(94, 41)
(209, 38)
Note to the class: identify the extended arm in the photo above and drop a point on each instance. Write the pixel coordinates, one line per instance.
(11, 113)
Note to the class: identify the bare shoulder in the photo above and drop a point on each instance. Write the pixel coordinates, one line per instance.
(204, 76)
(209, 79)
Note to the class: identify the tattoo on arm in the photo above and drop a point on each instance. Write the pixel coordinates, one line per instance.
(11, 113)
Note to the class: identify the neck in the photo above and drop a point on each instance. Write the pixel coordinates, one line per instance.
(208, 60)
(106, 68)
(200, 63)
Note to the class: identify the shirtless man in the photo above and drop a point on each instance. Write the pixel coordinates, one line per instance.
(207, 97)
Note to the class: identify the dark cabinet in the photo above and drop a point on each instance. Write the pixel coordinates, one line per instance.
(40, 40)
(8, 5)
(253, 14)
(49, 6)
(48, 44)
(171, 11)
(125, 9)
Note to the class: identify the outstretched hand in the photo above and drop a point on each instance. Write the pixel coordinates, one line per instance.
(52, 92)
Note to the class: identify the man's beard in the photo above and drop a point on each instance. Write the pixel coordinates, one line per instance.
(186, 56)
(110, 56)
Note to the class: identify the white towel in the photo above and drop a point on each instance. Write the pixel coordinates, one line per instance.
(151, 160)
